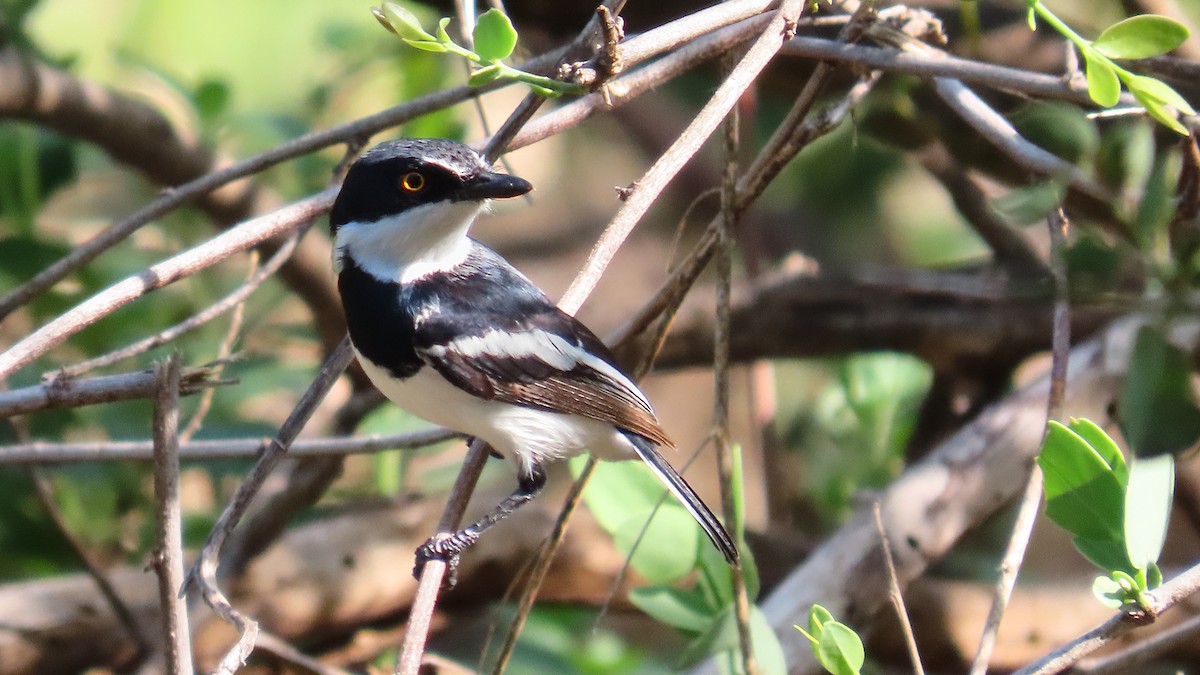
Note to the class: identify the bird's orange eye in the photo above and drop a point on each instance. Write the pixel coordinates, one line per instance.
(412, 182)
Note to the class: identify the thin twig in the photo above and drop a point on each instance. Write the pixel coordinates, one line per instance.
(727, 222)
(93, 390)
(168, 552)
(169, 271)
(39, 452)
(203, 574)
(541, 565)
(225, 304)
(1167, 596)
(896, 595)
(1183, 633)
(1010, 564)
(647, 189)
(224, 350)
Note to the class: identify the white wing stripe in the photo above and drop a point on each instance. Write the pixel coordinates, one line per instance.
(549, 348)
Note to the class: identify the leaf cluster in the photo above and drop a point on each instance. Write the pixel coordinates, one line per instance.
(494, 38)
(1117, 514)
(1137, 37)
(836, 645)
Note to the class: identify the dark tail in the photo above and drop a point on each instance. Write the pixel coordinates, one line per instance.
(687, 497)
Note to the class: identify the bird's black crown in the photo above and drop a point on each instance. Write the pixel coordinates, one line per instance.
(398, 175)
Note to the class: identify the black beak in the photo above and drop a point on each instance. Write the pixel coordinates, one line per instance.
(494, 186)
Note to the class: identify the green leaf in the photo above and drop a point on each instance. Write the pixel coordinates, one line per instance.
(1148, 502)
(1159, 91)
(1104, 446)
(768, 653)
(403, 23)
(1026, 205)
(1031, 19)
(484, 75)
(427, 45)
(1083, 494)
(1157, 412)
(840, 650)
(683, 609)
(1107, 554)
(1060, 128)
(622, 496)
(495, 37)
(818, 616)
(720, 634)
(1108, 592)
(1158, 111)
(1103, 85)
(667, 550)
(442, 35)
(1139, 37)
(546, 92)
(1154, 576)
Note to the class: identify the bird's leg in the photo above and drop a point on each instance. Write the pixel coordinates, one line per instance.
(448, 547)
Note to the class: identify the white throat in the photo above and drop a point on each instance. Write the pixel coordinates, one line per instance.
(419, 242)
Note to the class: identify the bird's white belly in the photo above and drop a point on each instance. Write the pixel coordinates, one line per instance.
(520, 434)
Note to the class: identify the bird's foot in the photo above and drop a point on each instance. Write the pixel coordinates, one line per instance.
(446, 547)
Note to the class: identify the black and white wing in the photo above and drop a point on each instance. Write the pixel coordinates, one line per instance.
(509, 343)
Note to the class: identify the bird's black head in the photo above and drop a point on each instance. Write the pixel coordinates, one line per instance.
(395, 176)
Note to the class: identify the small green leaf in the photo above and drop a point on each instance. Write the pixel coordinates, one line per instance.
(1158, 111)
(818, 616)
(427, 45)
(1139, 37)
(1148, 502)
(495, 37)
(484, 75)
(840, 651)
(1159, 91)
(1157, 411)
(442, 35)
(683, 609)
(402, 22)
(1104, 446)
(1103, 85)
(546, 92)
(1031, 19)
(1154, 576)
(1108, 592)
(1083, 494)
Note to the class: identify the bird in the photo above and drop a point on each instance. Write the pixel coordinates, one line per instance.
(450, 331)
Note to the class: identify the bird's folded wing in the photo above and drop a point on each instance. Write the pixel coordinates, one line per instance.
(542, 369)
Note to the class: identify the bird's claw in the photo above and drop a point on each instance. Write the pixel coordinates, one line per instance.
(445, 547)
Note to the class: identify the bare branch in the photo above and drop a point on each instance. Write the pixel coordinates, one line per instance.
(895, 594)
(68, 393)
(1170, 594)
(1031, 498)
(241, 448)
(225, 304)
(168, 552)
